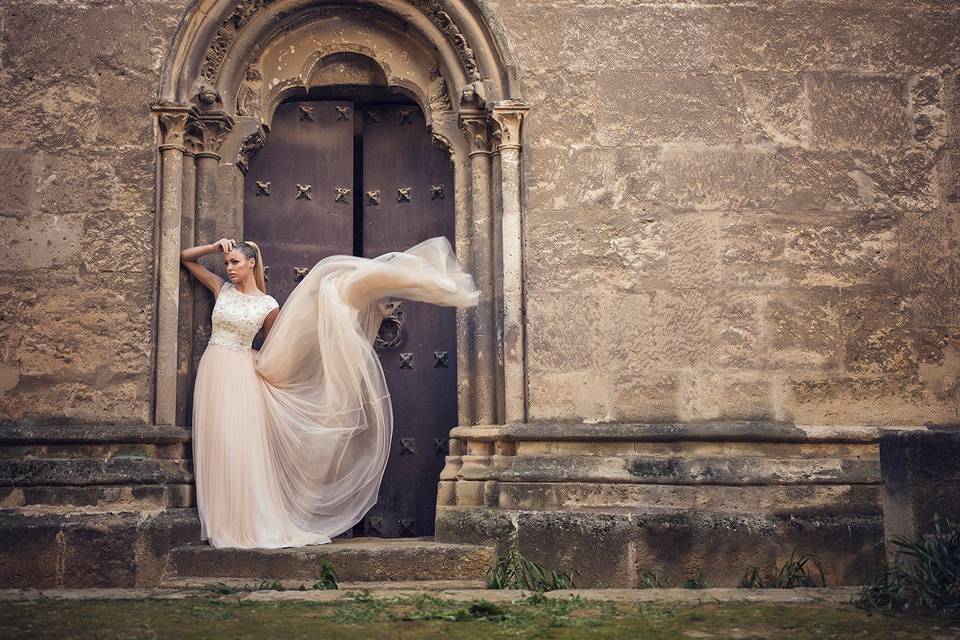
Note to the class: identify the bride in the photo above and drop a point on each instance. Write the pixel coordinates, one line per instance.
(290, 443)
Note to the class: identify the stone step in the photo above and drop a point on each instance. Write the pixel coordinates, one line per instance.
(90, 472)
(353, 560)
(101, 497)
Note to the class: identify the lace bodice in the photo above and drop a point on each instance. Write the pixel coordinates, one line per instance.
(237, 317)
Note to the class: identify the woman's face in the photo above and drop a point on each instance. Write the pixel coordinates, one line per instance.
(239, 266)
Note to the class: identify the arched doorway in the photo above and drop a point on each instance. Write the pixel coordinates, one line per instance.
(235, 62)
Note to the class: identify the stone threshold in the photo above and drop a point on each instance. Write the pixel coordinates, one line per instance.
(831, 596)
(745, 431)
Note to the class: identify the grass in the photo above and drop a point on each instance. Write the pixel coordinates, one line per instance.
(793, 573)
(925, 576)
(513, 571)
(327, 580)
(363, 616)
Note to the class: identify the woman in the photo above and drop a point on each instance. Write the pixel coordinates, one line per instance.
(290, 443)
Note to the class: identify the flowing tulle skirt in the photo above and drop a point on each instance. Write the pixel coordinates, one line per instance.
(290, 443)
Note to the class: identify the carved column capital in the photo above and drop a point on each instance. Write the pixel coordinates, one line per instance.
(508, 116)
(475, 126)
(210, 129)
(172, 119)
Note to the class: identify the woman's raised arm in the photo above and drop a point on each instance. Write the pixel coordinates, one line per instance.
(188, 258)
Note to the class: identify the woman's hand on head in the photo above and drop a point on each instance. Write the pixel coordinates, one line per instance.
(226, 244)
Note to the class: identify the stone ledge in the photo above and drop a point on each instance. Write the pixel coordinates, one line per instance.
(663, 469)
(12, 434)
(131, 497)
(676, 432)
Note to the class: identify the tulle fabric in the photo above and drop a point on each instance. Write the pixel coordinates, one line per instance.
(291, 442)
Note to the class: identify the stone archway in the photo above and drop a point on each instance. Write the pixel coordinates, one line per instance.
(234, 61)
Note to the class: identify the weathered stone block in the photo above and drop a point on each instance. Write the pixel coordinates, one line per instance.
(40, 241)
(18, 181)
(30, 551)
(721, 177)
(808, 249)
(708, 396)
(921, 477)
(804, 330)
(641, 107)
(598, 178)
(776, 108)
(594, 547)
(97, 181)
(101, 551)
(856, 112)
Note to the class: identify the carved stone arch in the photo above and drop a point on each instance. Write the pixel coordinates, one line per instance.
(233, 61)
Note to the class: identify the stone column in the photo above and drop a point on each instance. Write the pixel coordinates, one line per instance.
(475, 126)
(172, 120)
(509, 115)
(207, 231)
(496, 179)
(185, 307)
(466, 317)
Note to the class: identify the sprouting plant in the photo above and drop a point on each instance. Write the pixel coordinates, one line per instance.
(649, 580)
(925, 576)
(327, 579)
(696, 581)
(513, 571)
(793, 573)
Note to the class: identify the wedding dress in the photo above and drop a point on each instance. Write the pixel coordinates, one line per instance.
(290, 443)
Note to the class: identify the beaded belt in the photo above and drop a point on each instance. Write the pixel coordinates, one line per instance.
(230, 345)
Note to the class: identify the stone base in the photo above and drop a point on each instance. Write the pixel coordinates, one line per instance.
(921, 477)
(99, 549)
(613, 501)
(613, 550)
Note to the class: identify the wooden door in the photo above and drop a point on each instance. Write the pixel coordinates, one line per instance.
(298, 193)
(408, 197)
(325, 184)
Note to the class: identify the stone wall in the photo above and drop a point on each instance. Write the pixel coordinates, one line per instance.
(77, 178)
(734, 209)
(741, 209)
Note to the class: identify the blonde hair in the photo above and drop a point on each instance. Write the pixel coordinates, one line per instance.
(250, 249)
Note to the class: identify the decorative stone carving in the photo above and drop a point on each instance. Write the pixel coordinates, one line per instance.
(472, 96)
(439, 95)
(246, 9)
(248, 98)
(211, 129)
(227, 33)
(251, 144)
(434, 10)
(207, 96)
(474, 125)
(507, 117)
(173, 124)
